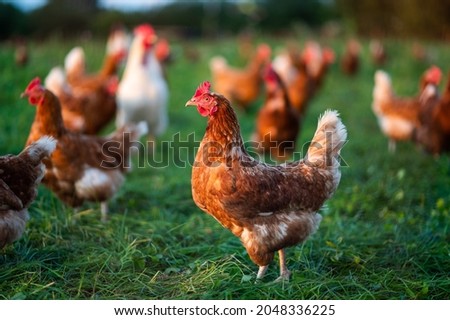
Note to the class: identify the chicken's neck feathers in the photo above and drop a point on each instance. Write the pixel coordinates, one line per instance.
(135, 57)
(110, 65)
(48, 119)
(280, 96)
(135, 66)
(223, 128)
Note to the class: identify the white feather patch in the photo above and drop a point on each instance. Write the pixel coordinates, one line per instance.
(74, 59)
(265, 214)
(95, 181)
(42, 147)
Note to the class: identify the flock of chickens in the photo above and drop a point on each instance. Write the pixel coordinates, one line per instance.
(65, 153)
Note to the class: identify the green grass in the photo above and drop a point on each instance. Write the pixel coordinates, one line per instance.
(384, 234)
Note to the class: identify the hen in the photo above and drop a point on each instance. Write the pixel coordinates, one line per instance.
(85, 112)
(292, 68)
(143, 92)
(398, 117)
(350, 60)
(433, 134)
(277, 123)
(21, 55)
(19, 179)
(327, 59)
(377, 52)
(317, 60)
(268, 207)
(241, 86)
(75, 65)
(82, 168)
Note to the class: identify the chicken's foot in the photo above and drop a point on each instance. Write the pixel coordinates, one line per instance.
(284, 272)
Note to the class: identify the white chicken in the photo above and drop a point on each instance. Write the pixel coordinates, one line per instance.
(143, 91)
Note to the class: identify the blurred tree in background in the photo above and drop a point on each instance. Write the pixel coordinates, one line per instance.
(64, 17)
(13, 22)
(400, 18)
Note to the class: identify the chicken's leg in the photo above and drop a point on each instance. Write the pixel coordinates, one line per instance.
(261, 272)
(392, 146)
(284, 272)
(104, 210)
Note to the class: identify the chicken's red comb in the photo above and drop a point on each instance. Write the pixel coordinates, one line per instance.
(144, 29)
(433, 75)
(202, 89)
(33, 83)
(162, 49)
(328, 55)
(264, 51)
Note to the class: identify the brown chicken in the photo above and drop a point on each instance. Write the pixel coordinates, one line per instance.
(268, 207)
(377, 52)
(21, 55)
(242, 86)
(88, 100)
(301, 86)
(87, 112)
(82, 168)
(292, 68)
(277, 123)
(82, 82)
(75, 65)
(433, 134)
(19, 179)
(318, 61)
(398, 117)
(350, 60)
(327, 60)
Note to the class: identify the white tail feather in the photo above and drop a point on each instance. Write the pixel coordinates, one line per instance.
(41, 148)
(218, 63)
(74, 59)
(141, 129)
(428, 93)
(327, 142)
(56, 80)
(118, 41)
(382, 91)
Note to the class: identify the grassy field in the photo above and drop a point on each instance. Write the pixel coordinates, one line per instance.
(385, 233)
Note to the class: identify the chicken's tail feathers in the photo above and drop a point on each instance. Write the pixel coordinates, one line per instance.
(134, 130)
(74, 59)
(39, 149)
(141, 129)
(382, 90)
(330, 137)
(428, 93)
(55, 80)
(218, 64)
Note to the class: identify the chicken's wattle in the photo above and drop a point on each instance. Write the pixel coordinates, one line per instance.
(203, 112)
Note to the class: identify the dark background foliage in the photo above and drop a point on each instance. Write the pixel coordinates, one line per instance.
(402, 18)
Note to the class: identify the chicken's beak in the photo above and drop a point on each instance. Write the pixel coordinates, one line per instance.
(23, 95)
(191, 102)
